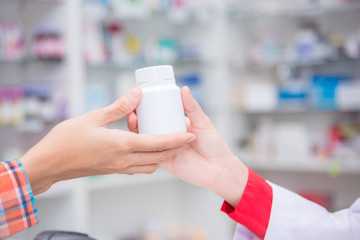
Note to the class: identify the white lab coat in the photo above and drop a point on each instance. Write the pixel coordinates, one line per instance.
(295, 218)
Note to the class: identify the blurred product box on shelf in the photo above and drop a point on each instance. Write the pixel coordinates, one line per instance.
(284, 142)
(22, 103)
(194, 82)
(261, 144)
(293, 96)
(348, 96)
(292, 142)
(323, 91)
(252, 101)
(12, 40)
(48, 43)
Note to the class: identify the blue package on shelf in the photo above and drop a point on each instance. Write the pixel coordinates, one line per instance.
(293, 96)
(323, 91)
(193, 81)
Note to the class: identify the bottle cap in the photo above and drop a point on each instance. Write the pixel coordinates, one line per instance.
(155, 75)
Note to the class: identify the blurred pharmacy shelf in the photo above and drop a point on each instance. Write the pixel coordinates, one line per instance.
(90, 205)
(29, 127)
(58, 190)
(27, 61)
(312, 64)
(35, 1)
(299, 111)
(104, 183)
(110, 11)
(330, 167)
(117, 181)
(238, 13)
(125, 67)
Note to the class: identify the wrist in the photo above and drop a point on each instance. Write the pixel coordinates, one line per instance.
(38, 167)
(232, 181)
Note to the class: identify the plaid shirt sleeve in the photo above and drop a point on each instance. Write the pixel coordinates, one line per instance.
(17, 204)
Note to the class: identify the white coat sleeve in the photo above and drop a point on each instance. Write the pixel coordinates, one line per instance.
(267, 211)
(294, 217)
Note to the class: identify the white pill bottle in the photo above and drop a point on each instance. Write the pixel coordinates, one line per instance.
(160, 111)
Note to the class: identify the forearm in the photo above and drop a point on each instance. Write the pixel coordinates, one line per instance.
(232, 181)
(39, 166)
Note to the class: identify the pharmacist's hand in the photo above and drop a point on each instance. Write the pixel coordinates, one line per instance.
(207, 161)
(83, 146)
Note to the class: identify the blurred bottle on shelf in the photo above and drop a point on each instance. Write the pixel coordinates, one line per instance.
(48, 43)
(5, 107)
(94, 48)
(12, 43)
(22, 103)
(347, 96)
(307, 47)
(133, 47)
(162, 51)
(116, 47)
(110, 43)
(352, 45)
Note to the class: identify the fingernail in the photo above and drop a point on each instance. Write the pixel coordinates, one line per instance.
(135, 92)
(188, 89)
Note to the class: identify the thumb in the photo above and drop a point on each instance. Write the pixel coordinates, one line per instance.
(193, 110)
(123, 106)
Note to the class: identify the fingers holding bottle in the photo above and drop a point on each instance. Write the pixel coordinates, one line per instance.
(193, 110)
(132, 122)
(121, 107)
